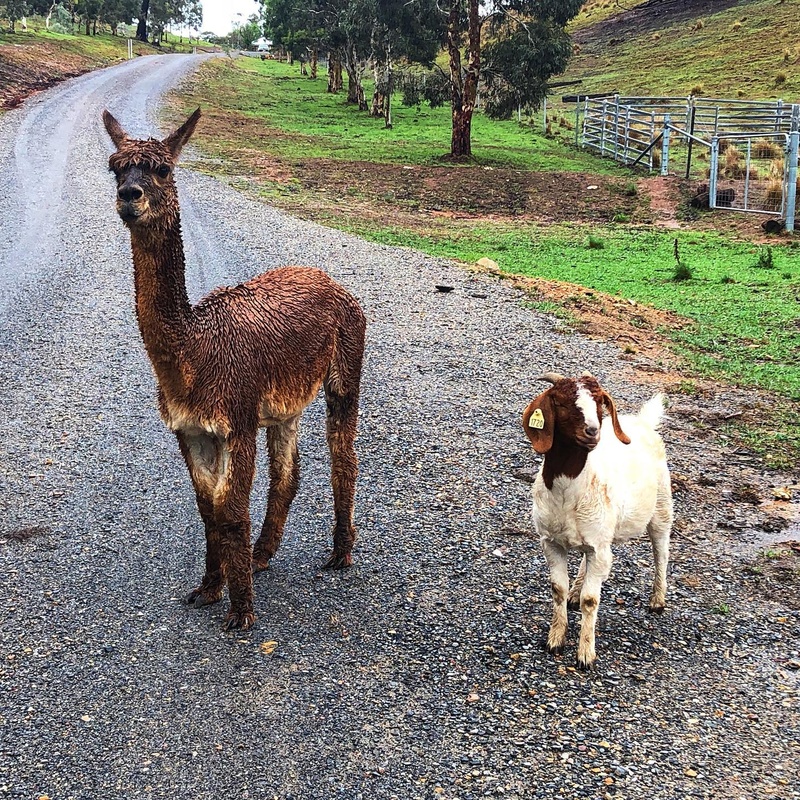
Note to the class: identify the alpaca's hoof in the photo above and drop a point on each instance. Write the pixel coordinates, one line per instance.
(338, 560)
(239, 620)
(200, 597)
(260, 564)
(555, 649)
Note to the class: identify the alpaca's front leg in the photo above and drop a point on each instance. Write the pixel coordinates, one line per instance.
(284, 477)
(559, 584)
(236, 468)
(195, 450)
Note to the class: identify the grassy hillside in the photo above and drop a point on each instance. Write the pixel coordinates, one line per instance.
(725, 48)
(35, 59)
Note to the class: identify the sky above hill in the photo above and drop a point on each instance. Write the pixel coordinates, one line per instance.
(220, 16)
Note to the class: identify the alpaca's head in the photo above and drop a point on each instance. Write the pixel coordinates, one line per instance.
(146, 194)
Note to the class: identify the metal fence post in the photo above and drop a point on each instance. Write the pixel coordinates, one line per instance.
(603, 128)
(712, 173)
(791, 156)
(665, 146)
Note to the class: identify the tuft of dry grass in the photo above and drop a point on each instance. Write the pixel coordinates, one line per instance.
(764, 148)
(773, 195)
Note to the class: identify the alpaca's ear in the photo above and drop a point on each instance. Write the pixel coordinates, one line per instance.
(177, 139)
(539, 422)
(118, 136)
(608, 402)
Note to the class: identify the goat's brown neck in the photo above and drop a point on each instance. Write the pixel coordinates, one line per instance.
(162, 304)
(564, 458)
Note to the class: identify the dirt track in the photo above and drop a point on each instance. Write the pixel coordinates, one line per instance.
(419, 673)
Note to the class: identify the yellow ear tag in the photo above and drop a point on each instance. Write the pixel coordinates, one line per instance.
(536, 420)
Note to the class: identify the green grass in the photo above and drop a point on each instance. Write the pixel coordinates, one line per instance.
(746, 331)
(321, 125)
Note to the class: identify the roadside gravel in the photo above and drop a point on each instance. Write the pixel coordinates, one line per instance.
(418, 673)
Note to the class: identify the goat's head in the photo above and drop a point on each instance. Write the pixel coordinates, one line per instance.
(146, 192)
(571, 409)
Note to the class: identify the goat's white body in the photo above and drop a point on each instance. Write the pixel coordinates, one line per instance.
(616, 494)
(622, 492)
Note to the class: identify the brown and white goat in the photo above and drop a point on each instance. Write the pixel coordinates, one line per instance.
(602, 482)
(245, 357)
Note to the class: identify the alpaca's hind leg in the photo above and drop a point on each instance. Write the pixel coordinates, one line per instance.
(210, 589)
(284, 475)
(342, 419)
(235, 471)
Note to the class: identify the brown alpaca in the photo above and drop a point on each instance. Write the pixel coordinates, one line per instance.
(244, 357)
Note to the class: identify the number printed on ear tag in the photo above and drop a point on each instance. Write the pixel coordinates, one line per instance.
(536, 420)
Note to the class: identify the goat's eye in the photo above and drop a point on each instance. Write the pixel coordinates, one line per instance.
(163, 171)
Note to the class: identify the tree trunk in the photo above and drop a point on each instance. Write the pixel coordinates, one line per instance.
(49, 15)
(464, 87)
(88, 24)
(141, 28)
(355, 89)
(377, 97)
(334, 72)
(314, 59)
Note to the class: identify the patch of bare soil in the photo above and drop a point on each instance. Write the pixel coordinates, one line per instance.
(30, 67)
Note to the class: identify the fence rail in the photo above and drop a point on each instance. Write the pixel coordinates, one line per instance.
(746, 150)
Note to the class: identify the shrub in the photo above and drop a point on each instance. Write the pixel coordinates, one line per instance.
(594, 243)
(630, 190)
(620, 216)
(726, 279)
(780, 79)
(681, 272)
(764, 148)
(696, 90)
(736, 25)
(773, 195)
(765, 259)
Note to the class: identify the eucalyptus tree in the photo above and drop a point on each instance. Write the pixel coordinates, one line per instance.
(411, 32)
(525, 44)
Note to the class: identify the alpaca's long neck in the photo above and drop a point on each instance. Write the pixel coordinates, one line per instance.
(162, 304)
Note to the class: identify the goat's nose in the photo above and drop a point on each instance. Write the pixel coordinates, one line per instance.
(130, 192)
(590, 430)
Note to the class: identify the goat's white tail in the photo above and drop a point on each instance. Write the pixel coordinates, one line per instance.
(652, 412)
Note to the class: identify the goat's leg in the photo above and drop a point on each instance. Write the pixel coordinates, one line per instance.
(574, 599)
(658, 529)
(232, 516)
(196, 451)
(598, 568)
(284, 476)
(556, 558)
(341, 422)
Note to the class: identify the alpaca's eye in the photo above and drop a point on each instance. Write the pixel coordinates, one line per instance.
(163, 171)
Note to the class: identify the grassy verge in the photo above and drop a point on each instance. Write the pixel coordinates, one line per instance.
(737, 306)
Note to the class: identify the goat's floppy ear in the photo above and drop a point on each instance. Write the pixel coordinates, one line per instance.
(539, 422)
(115, 131)
(608, 402)
(178, 138)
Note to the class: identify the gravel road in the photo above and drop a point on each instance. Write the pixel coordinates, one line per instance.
(418, 673)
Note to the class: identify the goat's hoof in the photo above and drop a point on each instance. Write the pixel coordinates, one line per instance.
(239, 620)
(338, 560)
(586, 665)
(200, 597)
(656, 609)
